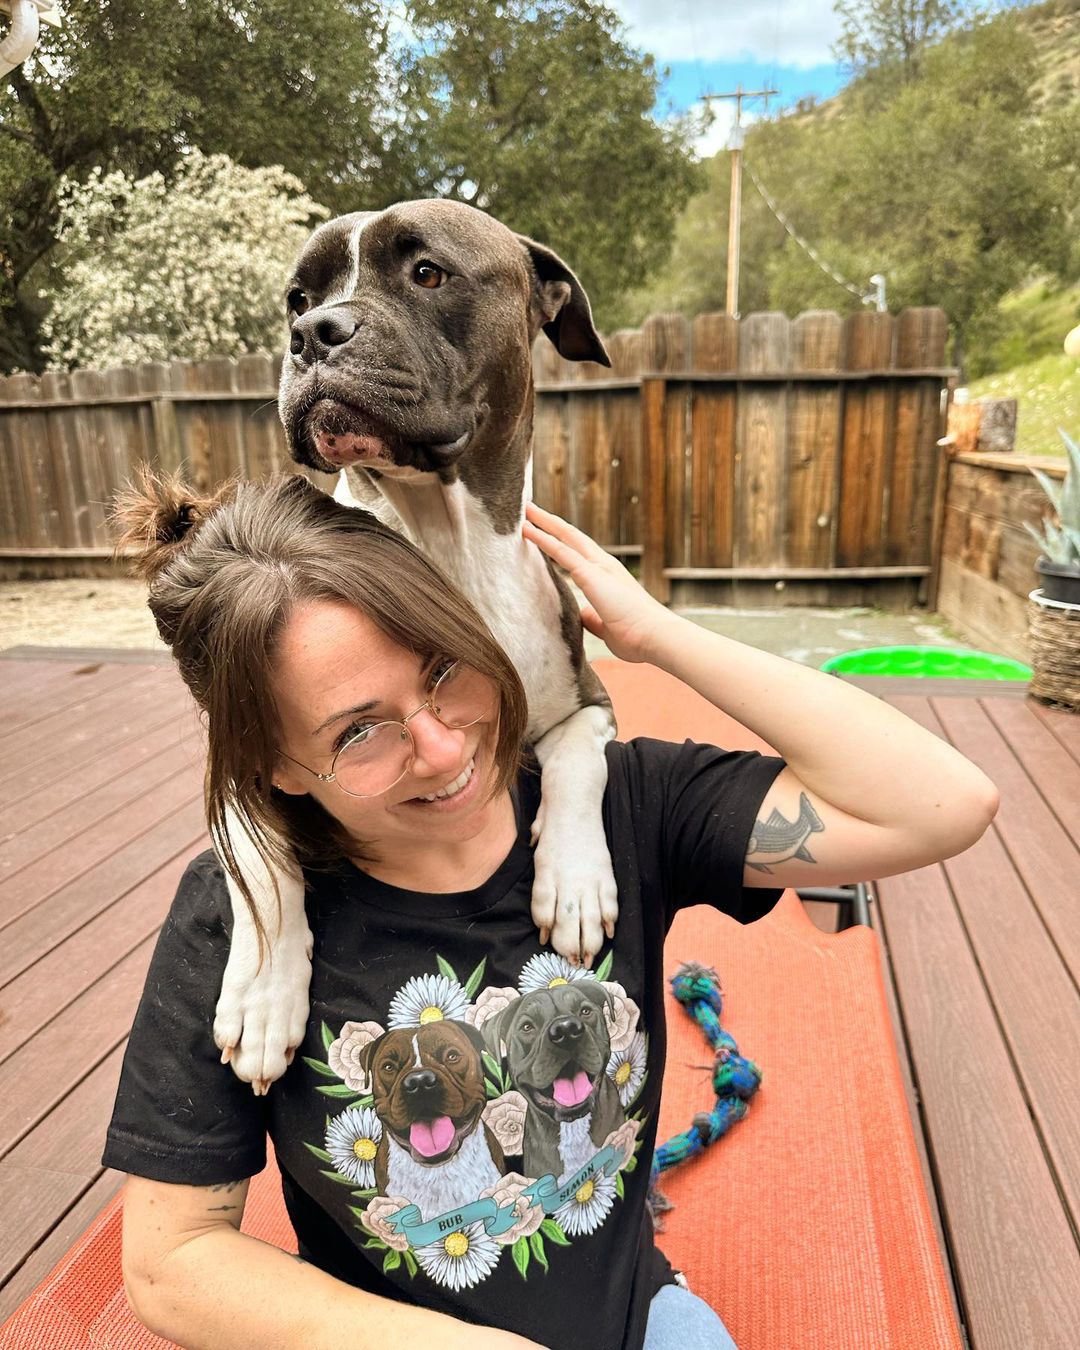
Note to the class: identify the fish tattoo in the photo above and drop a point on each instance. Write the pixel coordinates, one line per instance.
(786, 838)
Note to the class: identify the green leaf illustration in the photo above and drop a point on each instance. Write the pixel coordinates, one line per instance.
(473, 982)
(619, 1188)
(391, 1261)
(319, 1066)
(353, 1209)
(320, 1153)
(336, 1176)
(536, 1242)
(447, 969)
(338, 1090)
(629, 1166)
(493, 1067)
(604, 968)
(366, 1193)
(410, 1262)
(492, 1089)
(553, 1231)
(372, 1243)
(328, 1037)
(520, 1253)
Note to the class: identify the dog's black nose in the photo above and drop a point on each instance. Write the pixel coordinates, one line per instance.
(565, 1029)
(423, 1080)
(315, 335)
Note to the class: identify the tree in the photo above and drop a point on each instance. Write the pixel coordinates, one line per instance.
(895, 34)
(130, 85)
(190, 268)
(539, 112)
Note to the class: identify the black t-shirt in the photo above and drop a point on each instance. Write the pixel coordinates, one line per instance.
(470, 1121)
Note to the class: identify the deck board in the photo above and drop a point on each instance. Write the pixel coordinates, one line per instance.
(100, 810)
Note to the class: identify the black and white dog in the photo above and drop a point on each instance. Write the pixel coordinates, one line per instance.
(409, 369)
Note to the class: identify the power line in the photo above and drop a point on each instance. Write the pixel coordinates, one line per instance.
(875, 297)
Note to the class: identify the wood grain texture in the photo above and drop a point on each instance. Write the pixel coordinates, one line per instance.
(813, 443)
(761, 440)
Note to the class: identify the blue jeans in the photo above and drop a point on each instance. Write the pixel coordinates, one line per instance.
(679, 1320)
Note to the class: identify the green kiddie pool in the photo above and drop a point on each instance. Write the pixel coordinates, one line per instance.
(927, 663)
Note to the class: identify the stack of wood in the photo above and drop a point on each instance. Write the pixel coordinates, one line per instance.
(985, 426)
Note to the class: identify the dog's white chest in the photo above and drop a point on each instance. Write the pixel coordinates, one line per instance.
(576, 1148)
(505, 577)
(434, 1190)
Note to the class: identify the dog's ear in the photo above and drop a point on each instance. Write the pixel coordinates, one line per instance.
(496, 1029)
(566, 316)
(367, 1056)
(595, 992)
(475, 1035)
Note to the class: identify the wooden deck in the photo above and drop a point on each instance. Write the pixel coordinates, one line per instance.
(100, 809)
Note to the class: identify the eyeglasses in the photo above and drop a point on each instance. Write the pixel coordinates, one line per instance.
(378, 756)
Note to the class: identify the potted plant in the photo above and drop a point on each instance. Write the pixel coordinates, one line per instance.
(1059, 562)
(1054, 610)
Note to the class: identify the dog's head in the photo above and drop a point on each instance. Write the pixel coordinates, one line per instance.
(409, 326)
(428, 1084)
(557, 1045)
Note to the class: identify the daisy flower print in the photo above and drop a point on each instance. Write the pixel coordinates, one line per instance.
(588, 1207)
(427, 998)
(546, 970)
(460, 1259)
(352, 1140)
(626, 1069)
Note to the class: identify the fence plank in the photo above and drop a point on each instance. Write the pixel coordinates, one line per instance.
(665, 343)
(761, 440)
(92, 452)
(264, 449)
(920, 342)
(813, 442)
(653, 404)
(868, 344)
(714, 345)
(166, 453)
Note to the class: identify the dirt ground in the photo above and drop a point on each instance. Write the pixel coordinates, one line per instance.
(113, 613)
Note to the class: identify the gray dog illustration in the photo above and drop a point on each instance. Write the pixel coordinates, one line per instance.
(557, 1047)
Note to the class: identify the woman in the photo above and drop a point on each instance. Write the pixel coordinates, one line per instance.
(465, 1136)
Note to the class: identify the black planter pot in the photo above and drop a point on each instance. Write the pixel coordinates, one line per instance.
(1058, 582)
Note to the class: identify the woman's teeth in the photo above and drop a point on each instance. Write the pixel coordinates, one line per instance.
(452, 789)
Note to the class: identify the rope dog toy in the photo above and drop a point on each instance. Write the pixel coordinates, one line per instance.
(734, 1079)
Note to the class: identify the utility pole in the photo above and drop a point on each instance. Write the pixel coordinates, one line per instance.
(735, 206)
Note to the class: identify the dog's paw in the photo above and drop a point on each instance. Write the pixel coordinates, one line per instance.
(575, 900)
(262, 1011)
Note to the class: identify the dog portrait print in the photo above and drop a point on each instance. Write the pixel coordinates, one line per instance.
(483, 1120)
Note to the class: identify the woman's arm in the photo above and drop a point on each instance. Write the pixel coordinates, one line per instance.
(887, 795)
(193, 1277)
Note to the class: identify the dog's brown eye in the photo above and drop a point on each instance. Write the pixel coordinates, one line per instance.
(297, 301)
(452, 1057)
(429, 274)
(387, 1066)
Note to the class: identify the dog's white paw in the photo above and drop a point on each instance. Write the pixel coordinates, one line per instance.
(262, 1011)
(575, 901)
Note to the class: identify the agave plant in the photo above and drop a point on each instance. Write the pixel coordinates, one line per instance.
(1060, 543)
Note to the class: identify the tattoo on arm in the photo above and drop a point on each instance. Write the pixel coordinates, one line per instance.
(784, 838)
(224, 1186)
(221, 1209)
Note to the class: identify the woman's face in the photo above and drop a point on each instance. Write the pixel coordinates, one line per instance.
(332, 660)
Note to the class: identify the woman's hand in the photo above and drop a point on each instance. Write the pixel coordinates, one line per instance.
(620, 612)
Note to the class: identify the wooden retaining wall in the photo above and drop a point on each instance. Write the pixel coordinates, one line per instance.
(987, 557)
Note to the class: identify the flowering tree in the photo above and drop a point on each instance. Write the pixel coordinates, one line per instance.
(151, 270)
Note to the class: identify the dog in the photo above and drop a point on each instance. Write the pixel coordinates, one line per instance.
(557, 1046)
(428, 1086)
(409, 372)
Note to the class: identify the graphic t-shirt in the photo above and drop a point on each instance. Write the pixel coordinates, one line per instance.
(470, 1121)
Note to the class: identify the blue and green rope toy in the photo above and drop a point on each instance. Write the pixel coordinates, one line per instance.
(734, 1078)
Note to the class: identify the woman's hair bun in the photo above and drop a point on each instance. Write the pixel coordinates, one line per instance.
(154, 516)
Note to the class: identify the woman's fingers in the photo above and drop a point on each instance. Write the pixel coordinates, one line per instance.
(563, 531)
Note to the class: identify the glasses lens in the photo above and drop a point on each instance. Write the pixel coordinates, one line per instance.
(462, 697)
(374, 760)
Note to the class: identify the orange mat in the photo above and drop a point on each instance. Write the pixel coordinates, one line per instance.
(806, 1227)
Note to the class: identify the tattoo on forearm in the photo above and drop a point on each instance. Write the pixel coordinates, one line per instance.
(221, 1209)
(225, 1186)
(785, 838)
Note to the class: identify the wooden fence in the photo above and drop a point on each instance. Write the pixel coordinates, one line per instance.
(764, 459)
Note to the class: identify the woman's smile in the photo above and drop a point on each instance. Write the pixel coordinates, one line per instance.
(455, 794)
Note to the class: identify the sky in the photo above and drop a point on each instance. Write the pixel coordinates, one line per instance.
(712, 46)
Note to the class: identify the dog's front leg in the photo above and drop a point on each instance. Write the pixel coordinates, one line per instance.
(574, 895)
(262, 1010)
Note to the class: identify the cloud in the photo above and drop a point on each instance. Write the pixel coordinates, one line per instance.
(716, 138)
(785, 32)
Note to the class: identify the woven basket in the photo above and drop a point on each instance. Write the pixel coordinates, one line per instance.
(1054, 632)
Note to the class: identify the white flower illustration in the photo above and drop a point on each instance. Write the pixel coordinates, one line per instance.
(546, 970)
(460, 1259)
(505, 1118)
(344, 1053)
(490, 1002)
(529, 1212)
(626, 1068)
(622, 1021)
(588, 1207)
(427, 998)
(375, 1216)
(352, 1140)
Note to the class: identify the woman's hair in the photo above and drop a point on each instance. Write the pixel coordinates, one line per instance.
(226, 572)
